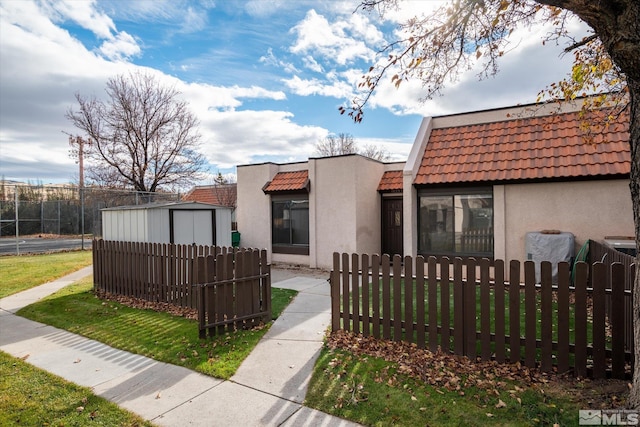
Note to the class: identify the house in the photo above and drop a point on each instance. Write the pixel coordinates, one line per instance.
(474, 185)
(176, 222)
(217, 194)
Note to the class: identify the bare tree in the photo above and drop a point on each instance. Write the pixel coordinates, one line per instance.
(143, 137)
(343, 143)
(375, 152)
(336, 145)
(225, 191)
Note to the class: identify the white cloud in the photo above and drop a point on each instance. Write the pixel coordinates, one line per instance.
(307, 87)
(120, 47)
(242, 137)
(43, 67)
(84, 13)
(338, 42)
(270, 59)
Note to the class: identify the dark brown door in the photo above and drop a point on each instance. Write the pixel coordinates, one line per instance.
(392, 226)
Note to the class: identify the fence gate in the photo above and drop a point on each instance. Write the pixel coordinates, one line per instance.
(234, 291)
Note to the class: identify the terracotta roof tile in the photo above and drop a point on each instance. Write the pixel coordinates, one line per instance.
(288, 181)
(221, 195)
(391, 181)
(550, 147)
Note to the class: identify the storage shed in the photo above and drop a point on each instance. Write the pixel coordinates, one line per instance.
(179, 222)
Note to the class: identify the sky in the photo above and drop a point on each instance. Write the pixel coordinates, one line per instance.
(265, 78)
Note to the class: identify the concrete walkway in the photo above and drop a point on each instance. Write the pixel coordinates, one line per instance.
(267, 390)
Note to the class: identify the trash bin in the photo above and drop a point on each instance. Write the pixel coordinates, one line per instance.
(235, 239)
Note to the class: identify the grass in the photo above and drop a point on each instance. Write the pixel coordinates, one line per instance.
(30, 396)
(157, 335)
(374, 392)
(19, 273)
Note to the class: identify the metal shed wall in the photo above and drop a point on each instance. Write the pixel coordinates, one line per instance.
(156, 224)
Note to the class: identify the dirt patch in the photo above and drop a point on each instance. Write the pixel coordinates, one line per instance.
(189, 313)
(280, 272)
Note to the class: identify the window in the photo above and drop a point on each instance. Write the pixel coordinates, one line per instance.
(456, 223)
(290, 225)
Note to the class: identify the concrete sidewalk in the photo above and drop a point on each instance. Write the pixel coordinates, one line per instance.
(267, 390)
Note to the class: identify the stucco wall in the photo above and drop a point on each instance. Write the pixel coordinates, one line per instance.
(253, 213)
(346, 207)
(588, 209)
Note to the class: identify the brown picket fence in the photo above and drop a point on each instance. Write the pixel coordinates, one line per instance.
(470, 308)
(234, 291)
(230, 287)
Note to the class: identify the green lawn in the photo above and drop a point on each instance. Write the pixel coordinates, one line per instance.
(157, 335)
(32, 397)
(18, 273)
(375, 392)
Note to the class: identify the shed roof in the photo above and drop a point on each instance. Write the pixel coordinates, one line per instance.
(535, 148)
(391, 181)
(167, 205)
(288, 182)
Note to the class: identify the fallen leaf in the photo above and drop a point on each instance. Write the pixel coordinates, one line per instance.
(414, 398)
(80, 408)
(500, 404)
(25, 357)
(76, 361)
(158, 395)
(489, 415)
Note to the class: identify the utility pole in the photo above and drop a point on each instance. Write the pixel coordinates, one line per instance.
(77, 149)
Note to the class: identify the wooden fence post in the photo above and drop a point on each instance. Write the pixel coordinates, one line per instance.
(408, 299)
(458, 308)
(366, 327)
(530, 313)
(617, 319)
(564, 281)
(546, 316)
(432, 302)
(386, 297)
(485, 310)
(375, 294)
(469, 307)
(355, 293)
(599, 282)
(499, 310)
(346, 294)
(420, 304)
(580, 319)
(514, 311)
(335, 293)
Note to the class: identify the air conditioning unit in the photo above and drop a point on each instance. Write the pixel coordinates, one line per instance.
(549, 245)
(626, 245)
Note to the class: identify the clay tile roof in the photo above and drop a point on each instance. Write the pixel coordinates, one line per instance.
(550, 147)
(288, 181)
(221, 195)
(391, 181)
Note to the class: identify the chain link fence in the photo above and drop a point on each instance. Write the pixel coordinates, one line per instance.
(27, 210)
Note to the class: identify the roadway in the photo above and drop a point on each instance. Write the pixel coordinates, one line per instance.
(35, 245)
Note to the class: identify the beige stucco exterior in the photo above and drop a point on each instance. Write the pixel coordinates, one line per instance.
(587, 209)
(345, 206)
